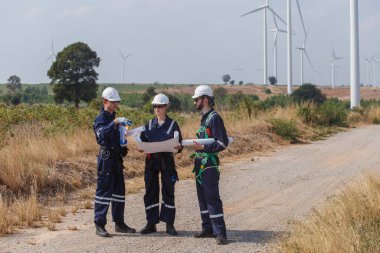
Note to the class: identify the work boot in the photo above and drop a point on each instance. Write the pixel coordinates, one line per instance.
(204, 234)
(221, 239)
(170, 229)
(101, 231)
(123, 228)
(148, 229)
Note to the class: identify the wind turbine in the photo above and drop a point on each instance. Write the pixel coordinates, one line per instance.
(333, 61)
(264, 8)
(275, 31)
(374, 62)
(52, 54)
(368, 67)
(304, 52)
(124, 58)
(289, 40)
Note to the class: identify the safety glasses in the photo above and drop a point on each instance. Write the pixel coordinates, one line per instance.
(158, 106)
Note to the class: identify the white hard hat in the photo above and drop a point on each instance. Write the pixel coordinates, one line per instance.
(203, 90)
(111, 94)
(160, 99)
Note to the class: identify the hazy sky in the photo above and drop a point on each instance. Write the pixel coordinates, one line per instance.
(180, 41)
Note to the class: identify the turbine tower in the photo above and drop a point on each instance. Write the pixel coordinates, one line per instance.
(124, 58)
(354, 45)
(333, 61)
(289, 39)
(264, 8)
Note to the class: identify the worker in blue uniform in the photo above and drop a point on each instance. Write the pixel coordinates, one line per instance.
(160, 128)
(110, 182)
(206, 166)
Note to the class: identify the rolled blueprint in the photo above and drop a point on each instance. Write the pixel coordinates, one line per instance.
(190, 142)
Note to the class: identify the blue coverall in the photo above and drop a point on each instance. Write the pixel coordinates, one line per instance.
(207, 183)
(154, 163)
(110, 183)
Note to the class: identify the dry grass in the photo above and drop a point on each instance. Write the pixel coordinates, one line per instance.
(348, 223)
(38, 160)
(7, 220)
(54, 216)
(27, 210)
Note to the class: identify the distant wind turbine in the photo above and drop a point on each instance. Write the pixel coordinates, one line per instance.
(374, 63)
(275, 31)
(52, 54)
(264, 8)
(304, 52)
(124, 58)
(368, 67)
(333, 61)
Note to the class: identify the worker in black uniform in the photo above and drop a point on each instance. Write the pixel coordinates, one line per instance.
(110, 183)
(206, 166)
(160, 128)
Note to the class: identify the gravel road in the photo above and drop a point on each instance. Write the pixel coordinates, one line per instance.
(259, 196)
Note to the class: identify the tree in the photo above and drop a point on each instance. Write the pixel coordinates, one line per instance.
(14, 84)
(272, 80)
(226, 78)
(73, 75)
(220, 93)
(232, 82)
(308, 92)
(241, 83)
(149, 94)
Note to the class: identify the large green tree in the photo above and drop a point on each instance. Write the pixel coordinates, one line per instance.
(73, 74)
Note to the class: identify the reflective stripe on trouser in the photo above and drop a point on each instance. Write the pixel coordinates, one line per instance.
(110, 189)
(210, 204)
(152, 190)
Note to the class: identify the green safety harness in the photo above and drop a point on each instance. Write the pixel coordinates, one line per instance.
(204, 155)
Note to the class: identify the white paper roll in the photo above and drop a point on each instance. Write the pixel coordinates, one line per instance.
(190, 142)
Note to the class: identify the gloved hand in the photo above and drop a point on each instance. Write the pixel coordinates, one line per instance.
(123, 120)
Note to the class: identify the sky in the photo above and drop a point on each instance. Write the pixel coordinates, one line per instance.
(182, 41)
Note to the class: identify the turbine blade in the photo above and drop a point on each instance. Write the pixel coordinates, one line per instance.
(308, 58)
(121, 53)
(275, 14)
(255, 10)
(299, 11)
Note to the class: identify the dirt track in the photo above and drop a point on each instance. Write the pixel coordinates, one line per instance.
(259, 198)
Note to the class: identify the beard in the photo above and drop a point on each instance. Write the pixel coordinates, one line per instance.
(199, 107)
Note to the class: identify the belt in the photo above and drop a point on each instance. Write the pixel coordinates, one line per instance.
(157, 155)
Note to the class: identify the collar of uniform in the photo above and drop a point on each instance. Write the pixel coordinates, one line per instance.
(204, 117)
(112, 115)
(155, 122)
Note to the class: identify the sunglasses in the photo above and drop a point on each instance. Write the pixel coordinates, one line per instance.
(159, 106)
(196, 99)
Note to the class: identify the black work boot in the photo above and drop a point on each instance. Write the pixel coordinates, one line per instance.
(123, 228)
(221, 239)
(170, 229)
(148, 229)
(204, 234)
(101, 231)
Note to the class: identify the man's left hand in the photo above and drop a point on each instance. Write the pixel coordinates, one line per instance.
(197, 146)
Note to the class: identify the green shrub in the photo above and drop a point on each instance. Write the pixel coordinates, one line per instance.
(308, 93)
(267, 91)
(376, 121)
(274, 101)
(333, 112)
(287, 129)
(308, 114)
